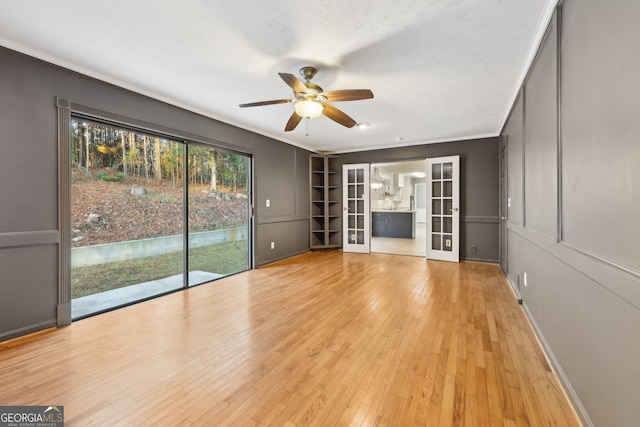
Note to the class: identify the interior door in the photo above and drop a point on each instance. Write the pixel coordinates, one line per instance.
(443, 208)
(356, 219)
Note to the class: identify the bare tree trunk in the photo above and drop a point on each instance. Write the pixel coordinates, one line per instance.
(158, 161)
(132, 146)
(124, 153)
(214, 173)
(80, 147)
(146, 161)
(86, 141)
(173, 175)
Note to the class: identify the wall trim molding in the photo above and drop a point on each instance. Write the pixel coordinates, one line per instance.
(469, 219)
(617, 279)
(26, 330)
(276, 220)
(472, 259)
(64, 212)
(21, 239)
(280, 258)
(620, 267)
(555, 365)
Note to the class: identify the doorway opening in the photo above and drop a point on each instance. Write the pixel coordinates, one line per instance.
(398, 208)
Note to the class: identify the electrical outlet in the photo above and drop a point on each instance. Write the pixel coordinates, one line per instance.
(269, 204)
(508, 202)
(273, 245)
(474, 249)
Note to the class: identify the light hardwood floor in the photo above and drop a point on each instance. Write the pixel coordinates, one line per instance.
(324, 339)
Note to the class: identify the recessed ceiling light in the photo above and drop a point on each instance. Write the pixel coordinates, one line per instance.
(363, 125)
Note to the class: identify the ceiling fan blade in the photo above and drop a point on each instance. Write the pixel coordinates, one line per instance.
(348, 95)
(257, 104)
(293, 82)
(293, 122)
(338, 116)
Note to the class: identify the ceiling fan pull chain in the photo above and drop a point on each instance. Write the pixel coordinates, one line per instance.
(307, 131)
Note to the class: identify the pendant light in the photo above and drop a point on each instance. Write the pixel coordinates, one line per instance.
(376, 180)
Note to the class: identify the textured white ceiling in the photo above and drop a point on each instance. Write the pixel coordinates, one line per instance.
(439, 69)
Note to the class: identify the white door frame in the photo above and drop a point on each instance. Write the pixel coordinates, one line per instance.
(443, 208)
(420, 190)
(356, 218)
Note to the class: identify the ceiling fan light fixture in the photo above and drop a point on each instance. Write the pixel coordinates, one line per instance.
(309, 109)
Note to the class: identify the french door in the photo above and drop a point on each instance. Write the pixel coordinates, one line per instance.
(443, 213)
(356, 230)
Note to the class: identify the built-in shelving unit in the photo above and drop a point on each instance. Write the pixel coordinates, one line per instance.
(326, 202)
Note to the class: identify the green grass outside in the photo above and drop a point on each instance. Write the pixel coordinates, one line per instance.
(225, 258)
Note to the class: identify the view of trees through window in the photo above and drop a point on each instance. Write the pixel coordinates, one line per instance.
(129, 214)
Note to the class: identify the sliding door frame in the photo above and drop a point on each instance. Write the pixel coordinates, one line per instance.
(66, 111)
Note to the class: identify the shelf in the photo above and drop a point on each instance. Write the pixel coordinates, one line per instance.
(326, 194)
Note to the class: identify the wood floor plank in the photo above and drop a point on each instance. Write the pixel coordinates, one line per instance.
(324, 338)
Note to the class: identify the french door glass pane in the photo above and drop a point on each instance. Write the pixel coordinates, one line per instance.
(447, 170)
(436, 241)
(436, 171)
(436, 207)
(448, 206)
(127, 216)
(436, 224)
(218, 184)
(447, 242)
(448, 189)
(436, 189)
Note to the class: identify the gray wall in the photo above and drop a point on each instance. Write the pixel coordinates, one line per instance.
(478, 187)
(29, 232)
(573, 141)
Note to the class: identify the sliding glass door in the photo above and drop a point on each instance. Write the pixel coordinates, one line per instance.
(219, 209)
(147, 208)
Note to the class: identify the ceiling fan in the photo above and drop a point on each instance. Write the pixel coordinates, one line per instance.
(311, 100)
